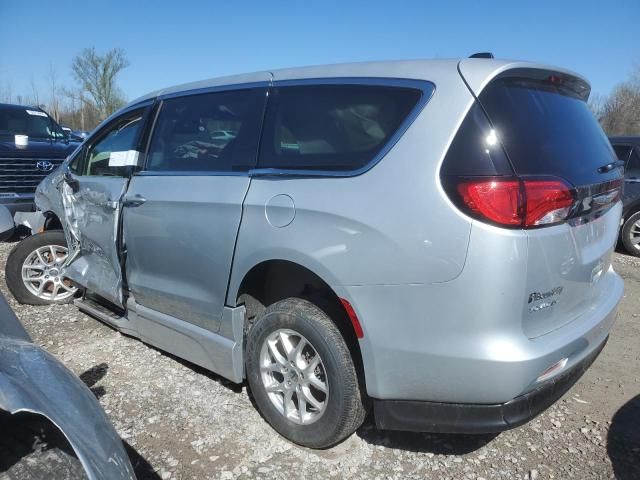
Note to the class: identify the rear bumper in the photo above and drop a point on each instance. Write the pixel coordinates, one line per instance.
(422, 343)
(478, 418)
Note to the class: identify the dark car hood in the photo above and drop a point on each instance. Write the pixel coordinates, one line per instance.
(37, 148)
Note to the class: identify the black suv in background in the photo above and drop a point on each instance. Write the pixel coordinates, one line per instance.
(628, 150)
(26, 161)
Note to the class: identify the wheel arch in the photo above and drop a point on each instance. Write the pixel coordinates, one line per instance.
(630, 209)
(272, 280)
(37, 390)
(52, 222)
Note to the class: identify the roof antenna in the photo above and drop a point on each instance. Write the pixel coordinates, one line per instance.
(482, 55)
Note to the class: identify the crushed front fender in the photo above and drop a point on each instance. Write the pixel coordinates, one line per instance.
(32, 380)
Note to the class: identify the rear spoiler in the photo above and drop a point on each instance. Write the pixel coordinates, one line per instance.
(477, 73)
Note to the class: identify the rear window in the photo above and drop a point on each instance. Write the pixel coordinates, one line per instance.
(546, 129)
(332, 127)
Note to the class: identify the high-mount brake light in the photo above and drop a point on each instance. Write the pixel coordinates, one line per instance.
(516, 202)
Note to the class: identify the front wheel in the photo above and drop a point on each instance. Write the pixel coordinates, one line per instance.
(33, 270)
(630, 234)
(302, 375)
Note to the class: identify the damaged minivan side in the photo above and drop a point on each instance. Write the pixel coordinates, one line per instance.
(427, 239)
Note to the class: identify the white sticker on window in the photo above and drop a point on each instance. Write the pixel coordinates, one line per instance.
(123, 159)
(37, 113)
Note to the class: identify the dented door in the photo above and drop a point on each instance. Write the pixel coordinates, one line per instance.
(92, 199)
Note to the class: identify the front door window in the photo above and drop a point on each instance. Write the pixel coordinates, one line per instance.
(115, 151)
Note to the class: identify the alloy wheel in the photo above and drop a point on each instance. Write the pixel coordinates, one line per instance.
(41, 273)
(294, 376)
(634, 235)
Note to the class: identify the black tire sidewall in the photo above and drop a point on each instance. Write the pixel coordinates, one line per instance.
(13, 268)
(626, 235)
(329, 428)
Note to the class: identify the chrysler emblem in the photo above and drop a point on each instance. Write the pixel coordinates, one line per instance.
(44, 166)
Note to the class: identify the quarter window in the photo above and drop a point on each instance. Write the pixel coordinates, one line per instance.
(332, 127)
(211, 132)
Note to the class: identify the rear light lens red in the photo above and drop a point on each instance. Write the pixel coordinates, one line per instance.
(517, 202)
(497, 200)
(547, 202)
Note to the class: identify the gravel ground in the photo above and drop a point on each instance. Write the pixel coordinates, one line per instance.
(179, 421)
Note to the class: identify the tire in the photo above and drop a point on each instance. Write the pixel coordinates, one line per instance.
(31, 448)
(342, 409)
(21, 253)
(629, 233)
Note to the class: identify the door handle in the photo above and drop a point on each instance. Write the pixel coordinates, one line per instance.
(134, 201)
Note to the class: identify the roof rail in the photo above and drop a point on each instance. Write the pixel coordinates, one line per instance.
(482, 55)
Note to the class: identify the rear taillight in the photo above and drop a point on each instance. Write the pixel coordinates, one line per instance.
(517, 203)
(546, 202)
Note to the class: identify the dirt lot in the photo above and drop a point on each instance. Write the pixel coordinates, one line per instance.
(179, 421)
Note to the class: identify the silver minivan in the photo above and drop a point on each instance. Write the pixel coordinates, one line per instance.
(427, 240)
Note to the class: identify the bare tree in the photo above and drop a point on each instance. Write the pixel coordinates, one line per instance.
(6, 92)
(34, 92)
(619, 113)
(78, 111)
(97, 76)
(54, 100)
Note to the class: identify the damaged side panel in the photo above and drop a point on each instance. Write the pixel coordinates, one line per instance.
(89, 214)
(48, 200)
(91, 218)
(34, 221)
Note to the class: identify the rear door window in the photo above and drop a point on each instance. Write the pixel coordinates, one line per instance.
(546, 129)
(332, 127)
(210, 132)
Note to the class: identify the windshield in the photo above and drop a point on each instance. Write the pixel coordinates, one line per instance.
(29, 121)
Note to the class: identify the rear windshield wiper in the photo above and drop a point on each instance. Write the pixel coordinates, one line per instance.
(610, 166)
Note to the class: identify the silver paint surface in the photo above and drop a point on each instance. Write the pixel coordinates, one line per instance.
(441, 298)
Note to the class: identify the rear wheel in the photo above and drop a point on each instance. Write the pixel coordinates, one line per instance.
(302, 375)
(33, 270)
(631, 234)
